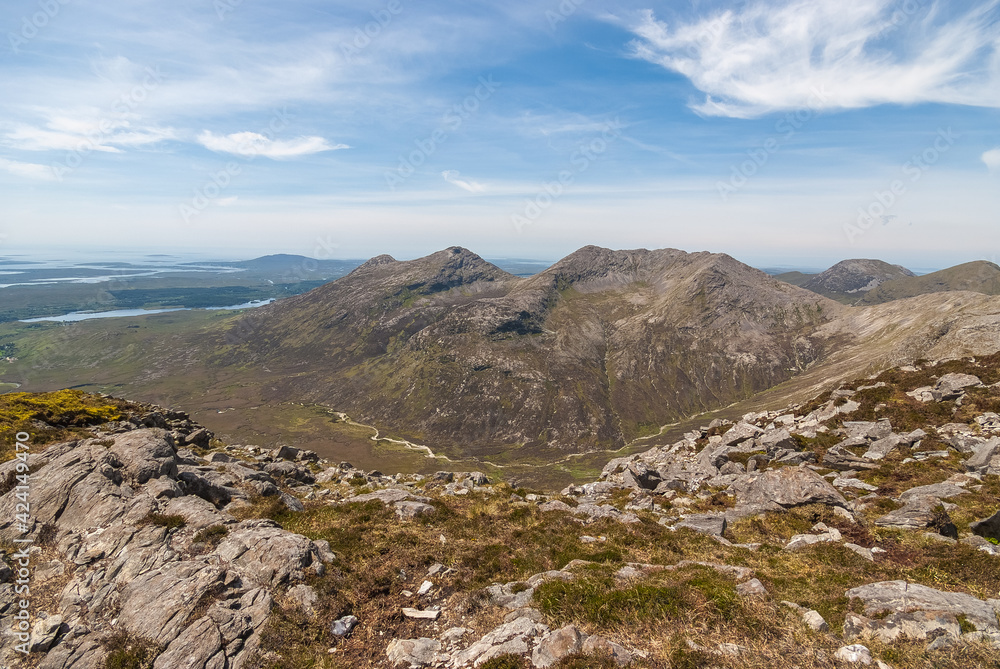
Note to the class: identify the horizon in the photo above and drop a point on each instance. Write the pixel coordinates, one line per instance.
(335, 129)
(183, 257)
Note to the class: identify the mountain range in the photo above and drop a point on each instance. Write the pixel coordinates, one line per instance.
(601, 349)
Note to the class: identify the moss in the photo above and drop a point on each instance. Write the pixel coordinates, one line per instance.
(169, 521)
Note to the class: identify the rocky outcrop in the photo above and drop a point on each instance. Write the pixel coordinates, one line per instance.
(111, 504)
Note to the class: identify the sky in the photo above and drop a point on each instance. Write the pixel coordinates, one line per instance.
(787, 133)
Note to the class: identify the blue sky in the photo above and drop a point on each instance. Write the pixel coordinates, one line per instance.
(790, 132)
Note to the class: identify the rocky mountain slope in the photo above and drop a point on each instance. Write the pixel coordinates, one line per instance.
(859, 528)
(601, 347)
(979, 276)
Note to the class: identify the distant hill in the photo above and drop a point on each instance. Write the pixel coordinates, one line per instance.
(979, 277)
(849, 280)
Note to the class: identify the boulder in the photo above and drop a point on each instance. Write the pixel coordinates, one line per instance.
(902, 597)
(556, 645)
(917, 513)
(871, 430)
(838, 457)
(413, 652)
(786, 488)
(739, 433)
(952, 386)
(515, 637)
(936, 490)
(988, 528)
(145, 455)
(705, 523)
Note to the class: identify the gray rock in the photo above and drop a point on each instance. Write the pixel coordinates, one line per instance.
(290, 470)
(291, 502)
(903, 625)
(985, 455)
(751, 588)
(556, 645)
(44, 633)
(286, 453)
(786, 488)
(903, 597)
(952, 385)
(739, 433)
(145, 455)
(200, 438)
(411, 510)
(513, 637)
(917, 514)
(197, 646)
(776, 440)
(705, 523)
(883, 447)
(868, 429)
(413, 652)
(815, 621)
(866, 553)
(936, 490)
(855, 654)
(555, 505)
(988, 527)
(303, 597)
(387, 496)
(343, 626)
(838, 457)
(263, 553)
(640, 476)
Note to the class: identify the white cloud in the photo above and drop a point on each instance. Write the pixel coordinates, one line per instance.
(30, 170)
(256, 144)
(830, 54)
(84, 130)
(992, 159)
(452, 177)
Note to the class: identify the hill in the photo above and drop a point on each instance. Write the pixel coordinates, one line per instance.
(849, 280)
(979, 277)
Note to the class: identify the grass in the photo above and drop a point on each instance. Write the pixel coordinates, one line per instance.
(125, 651)
(54, 416)
(169, 521)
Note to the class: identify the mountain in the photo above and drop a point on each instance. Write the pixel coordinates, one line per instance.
(979, 277)
(604, 349)
(600, 348)
(848, 280)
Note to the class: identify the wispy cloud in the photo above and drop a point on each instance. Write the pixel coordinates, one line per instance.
(992, 159)
(452, 177)
(29, 170)
(255, 144)
(828, 54)
(84, 129)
